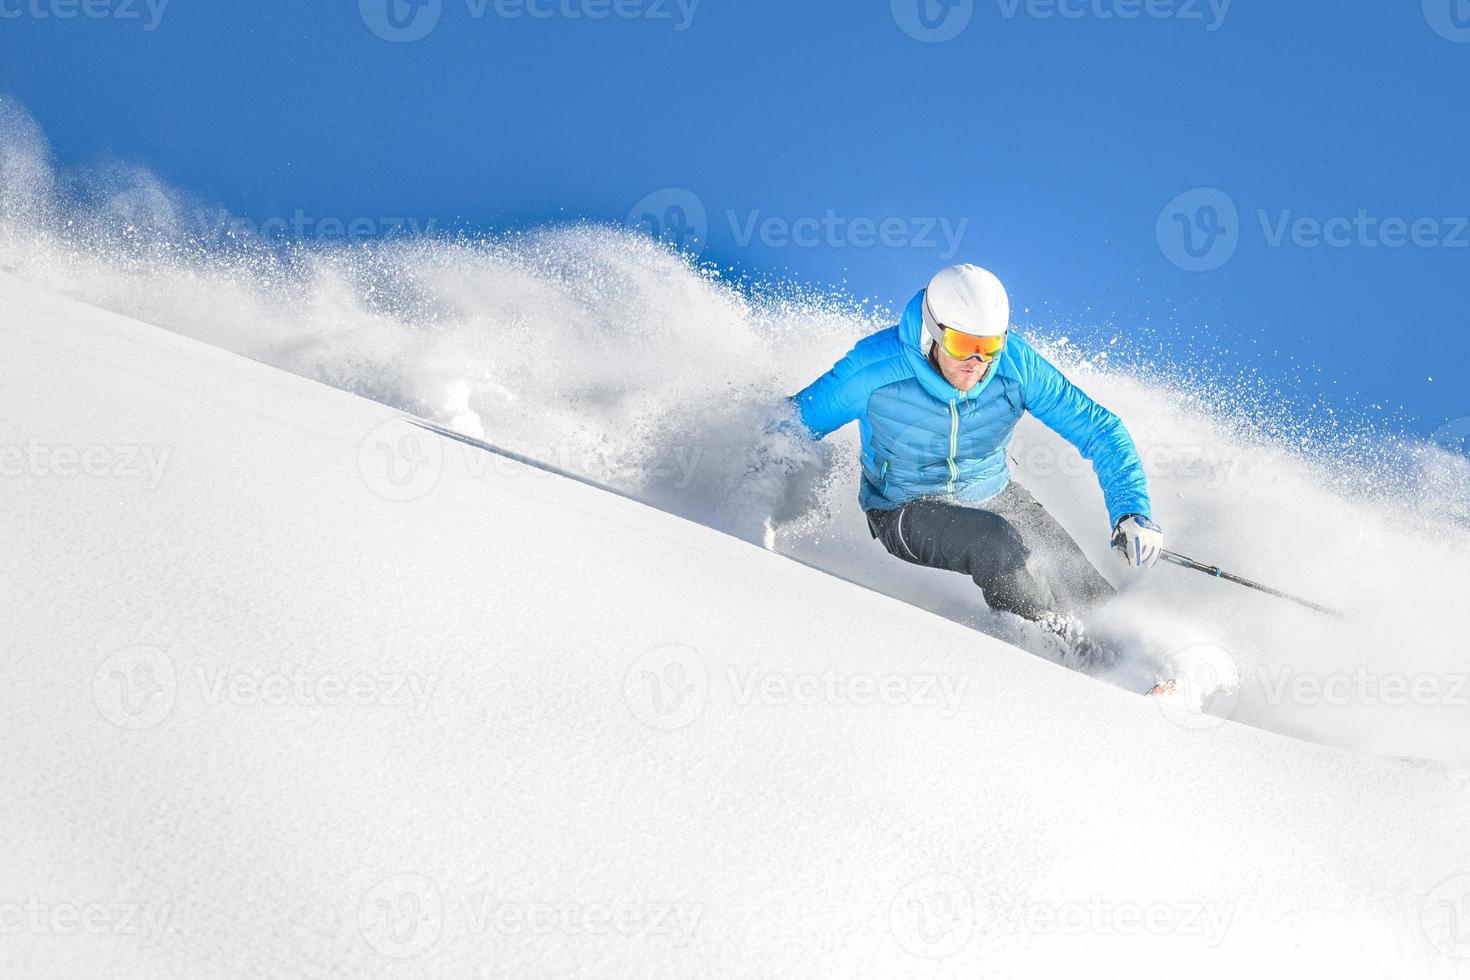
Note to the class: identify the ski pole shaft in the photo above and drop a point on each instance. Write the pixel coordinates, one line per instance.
(1185, 562)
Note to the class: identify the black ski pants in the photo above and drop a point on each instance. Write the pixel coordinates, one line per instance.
(1023, 561)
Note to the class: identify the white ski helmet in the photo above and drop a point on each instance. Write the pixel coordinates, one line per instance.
(969, 299)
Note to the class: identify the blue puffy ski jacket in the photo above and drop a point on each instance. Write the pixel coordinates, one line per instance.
(922, 437)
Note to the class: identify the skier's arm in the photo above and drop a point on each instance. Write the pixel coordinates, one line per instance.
(1098, 434)
(834, 399)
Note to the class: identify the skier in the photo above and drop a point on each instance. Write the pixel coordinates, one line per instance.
(937, 398)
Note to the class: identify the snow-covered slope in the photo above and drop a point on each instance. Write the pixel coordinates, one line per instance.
(612, 358)
(293, 688)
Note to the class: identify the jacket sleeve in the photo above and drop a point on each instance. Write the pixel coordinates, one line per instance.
(1098, 434)
(839, 396)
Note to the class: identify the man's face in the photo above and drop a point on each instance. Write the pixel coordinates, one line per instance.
(964, 375)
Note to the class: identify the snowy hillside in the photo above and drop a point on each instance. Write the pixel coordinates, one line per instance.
(293, 688)
(571, 346)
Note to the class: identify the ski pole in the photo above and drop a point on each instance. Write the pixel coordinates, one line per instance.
(1183, 562)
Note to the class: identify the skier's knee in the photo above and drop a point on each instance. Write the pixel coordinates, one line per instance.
(1000, 565)
(1000, 553)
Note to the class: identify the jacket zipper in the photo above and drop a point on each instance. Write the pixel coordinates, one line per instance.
(954, 444)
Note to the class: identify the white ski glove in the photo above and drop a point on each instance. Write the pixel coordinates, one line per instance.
(1139, 540)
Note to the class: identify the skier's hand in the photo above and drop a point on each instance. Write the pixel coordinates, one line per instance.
(1139, 540)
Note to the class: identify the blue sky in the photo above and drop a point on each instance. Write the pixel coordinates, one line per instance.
(1285, 181)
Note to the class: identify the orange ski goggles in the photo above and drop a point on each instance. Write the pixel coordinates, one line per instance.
(963, 346)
